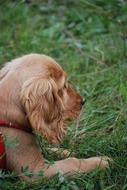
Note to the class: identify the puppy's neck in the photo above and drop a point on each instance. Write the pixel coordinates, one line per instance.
(10, 107)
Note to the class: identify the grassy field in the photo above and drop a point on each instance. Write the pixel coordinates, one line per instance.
(89, 39)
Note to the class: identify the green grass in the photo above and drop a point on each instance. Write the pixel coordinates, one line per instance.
(89, 39)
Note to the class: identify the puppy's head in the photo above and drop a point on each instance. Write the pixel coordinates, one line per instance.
(49, 100)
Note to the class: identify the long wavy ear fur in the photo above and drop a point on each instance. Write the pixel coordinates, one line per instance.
(44, 107)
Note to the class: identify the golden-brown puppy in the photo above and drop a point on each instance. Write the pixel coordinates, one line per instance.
(34, 93)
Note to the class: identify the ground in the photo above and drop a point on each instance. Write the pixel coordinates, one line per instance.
(89, 39)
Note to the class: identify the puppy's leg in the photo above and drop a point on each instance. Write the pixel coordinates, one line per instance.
(72, 165)
(27, 153)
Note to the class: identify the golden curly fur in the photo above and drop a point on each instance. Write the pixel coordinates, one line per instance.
(35, 93)
(34, 89)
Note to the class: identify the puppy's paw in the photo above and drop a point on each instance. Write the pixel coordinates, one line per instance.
(103, 162)
(63, 153)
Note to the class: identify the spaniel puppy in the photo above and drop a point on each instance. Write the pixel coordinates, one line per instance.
(35, 94)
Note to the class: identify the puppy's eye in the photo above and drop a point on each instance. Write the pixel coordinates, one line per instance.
(66, 85)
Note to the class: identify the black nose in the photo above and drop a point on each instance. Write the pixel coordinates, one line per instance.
(83, 101)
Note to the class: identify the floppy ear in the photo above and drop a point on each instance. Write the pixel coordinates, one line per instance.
(43, 107)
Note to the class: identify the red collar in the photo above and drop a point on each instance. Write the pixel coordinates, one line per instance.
(9, 124)
(4, 123)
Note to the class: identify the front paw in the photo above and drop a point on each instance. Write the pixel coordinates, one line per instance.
(103, 162)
